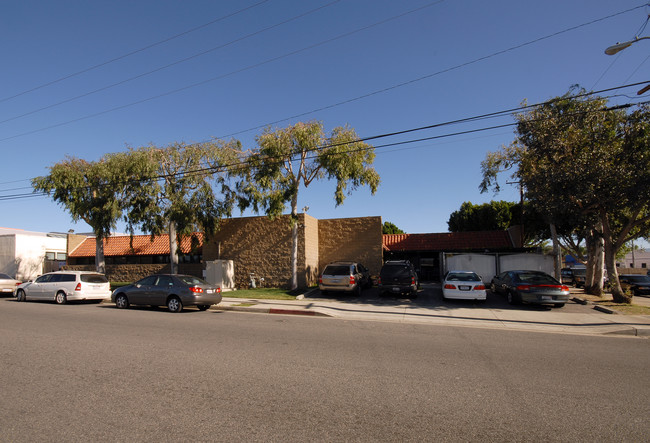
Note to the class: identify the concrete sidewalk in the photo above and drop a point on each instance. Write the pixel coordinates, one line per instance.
(589, 321)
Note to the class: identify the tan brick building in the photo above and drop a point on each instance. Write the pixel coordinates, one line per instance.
(257, 245)
(262, 246)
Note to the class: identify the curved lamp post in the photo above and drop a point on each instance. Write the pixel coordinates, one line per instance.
(620, 46)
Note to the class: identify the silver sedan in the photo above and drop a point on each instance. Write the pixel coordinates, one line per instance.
(8, 284)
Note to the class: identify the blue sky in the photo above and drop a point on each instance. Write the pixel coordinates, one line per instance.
(378, 65)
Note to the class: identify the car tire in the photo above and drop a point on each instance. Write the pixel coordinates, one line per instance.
(512, 298)
(60, 298)
(493, 288)
(121, 301)
(203, 307)
(174, 304)
(20, 295)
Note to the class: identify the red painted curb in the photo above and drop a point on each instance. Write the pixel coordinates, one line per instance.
(290, 311)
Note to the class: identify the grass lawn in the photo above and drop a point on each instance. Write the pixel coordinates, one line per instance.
(264, 293)
(606, 300)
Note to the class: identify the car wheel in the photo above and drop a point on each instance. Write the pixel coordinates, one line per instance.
(60, 298)
(512, 298)
(493, 288)
(174, 304)
(121, 301)
(20, 295)
(203, 307)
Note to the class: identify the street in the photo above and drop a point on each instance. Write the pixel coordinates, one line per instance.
(84, 372)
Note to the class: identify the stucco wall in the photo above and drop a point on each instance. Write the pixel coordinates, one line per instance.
(8, 263)
(351, 239)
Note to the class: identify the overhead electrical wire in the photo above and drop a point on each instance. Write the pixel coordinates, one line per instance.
(169, 65)
(316, 149)
(222, 76)
(160, 42)
(389, 88)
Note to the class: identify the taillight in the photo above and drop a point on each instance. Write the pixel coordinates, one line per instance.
(412, 280)
(564, 288)
(449, 286)
(320, 279)
(523, 288)
(479, 287)
(218, 291)
(18, 283)
(352, 280)
(78, 288)
(196, 290)
(378, 280)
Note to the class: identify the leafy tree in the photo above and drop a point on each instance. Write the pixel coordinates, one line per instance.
(92, 192)
(390, 228)
(498, 216)
(585, 165)
(182, 199)
(288, 158)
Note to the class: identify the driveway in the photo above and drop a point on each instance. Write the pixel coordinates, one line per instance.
(430, 296)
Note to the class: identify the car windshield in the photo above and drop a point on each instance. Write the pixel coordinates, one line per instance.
(337, 270)
(5, 277)
(536, 278)
(462, 276)
(637, 278)
(192, 281)
(93, 278)
(395, 271)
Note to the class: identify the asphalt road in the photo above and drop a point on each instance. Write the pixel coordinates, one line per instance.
(95, 373)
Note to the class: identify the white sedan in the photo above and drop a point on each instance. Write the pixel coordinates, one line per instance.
(465, 285)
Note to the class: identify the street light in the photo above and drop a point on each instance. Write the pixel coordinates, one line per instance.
(620, 46)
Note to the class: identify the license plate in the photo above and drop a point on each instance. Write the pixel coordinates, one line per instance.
(464, 288)
(209, 291)
(395, 289)
(546, 297)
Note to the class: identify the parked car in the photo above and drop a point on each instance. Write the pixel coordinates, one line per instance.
(530, 287)
(638, 284)
(65, 286)
(464, 285)
(398, 277)
(566, 276)
(172, 290)
(579, 277)
(8, 284)
(343, 276)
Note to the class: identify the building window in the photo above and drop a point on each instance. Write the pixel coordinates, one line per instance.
(643, 265)
(50, 256)
(61, 256)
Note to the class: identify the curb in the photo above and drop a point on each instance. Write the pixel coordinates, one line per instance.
(597, 307)
(271, 311)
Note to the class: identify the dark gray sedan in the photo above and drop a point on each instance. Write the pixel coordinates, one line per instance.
(171, 290)
(530, 287)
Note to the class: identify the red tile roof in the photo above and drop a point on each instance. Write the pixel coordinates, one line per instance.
(448, 241)
(142, 245)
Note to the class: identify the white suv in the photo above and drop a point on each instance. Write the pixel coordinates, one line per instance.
(64, 286)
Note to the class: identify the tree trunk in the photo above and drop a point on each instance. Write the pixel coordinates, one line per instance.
(599, 258)
(173, 246)
(556, 254)
(591, 261)
(100, 262)
(294, 241)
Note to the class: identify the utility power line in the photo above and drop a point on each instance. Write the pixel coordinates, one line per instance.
(128, 54)
(380, 91)
(314, 150)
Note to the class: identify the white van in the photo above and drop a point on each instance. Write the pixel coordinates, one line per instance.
(64, 286)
